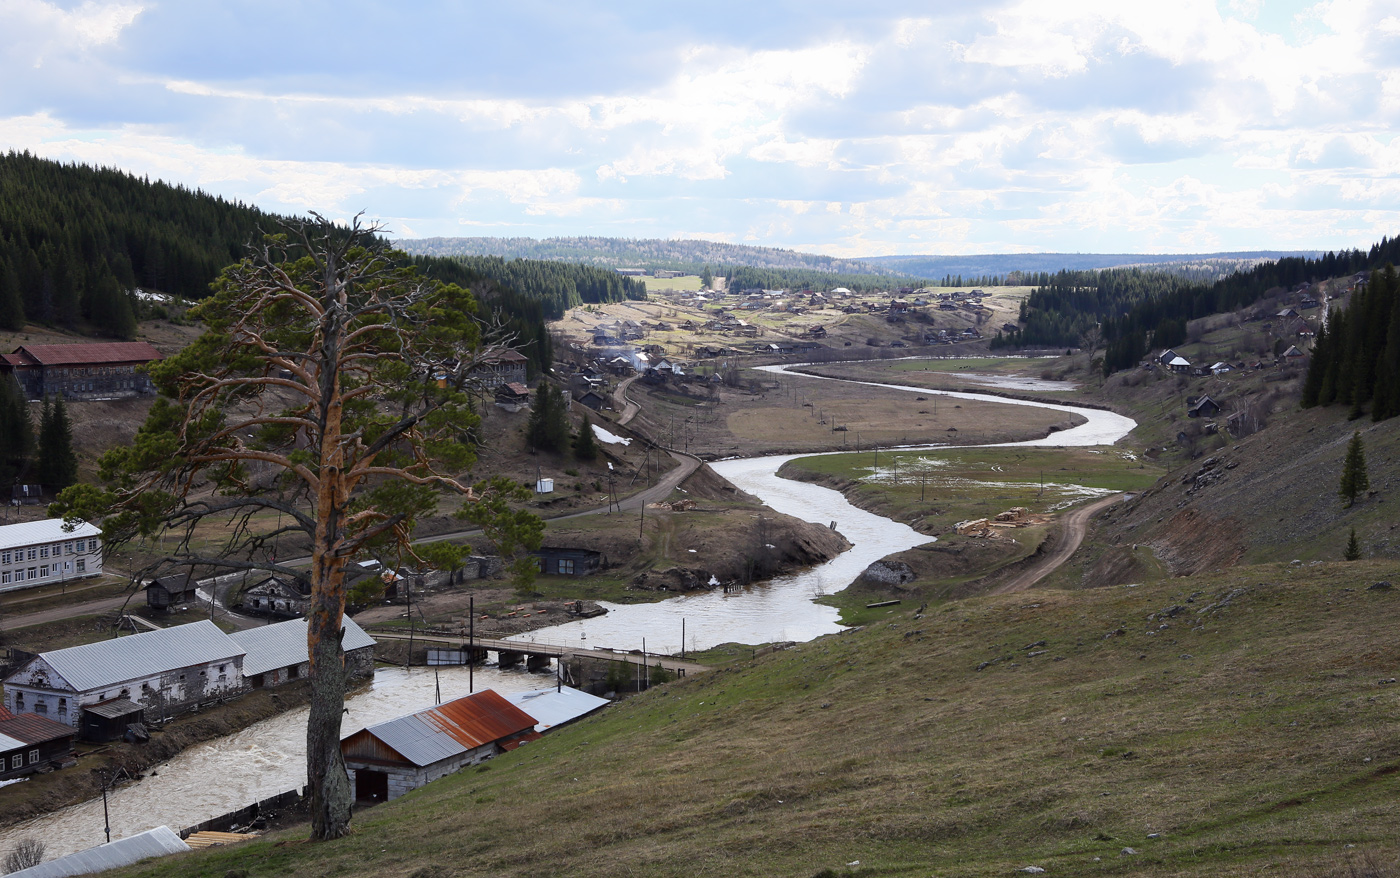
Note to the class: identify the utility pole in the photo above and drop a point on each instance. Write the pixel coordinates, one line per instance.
(471, 644)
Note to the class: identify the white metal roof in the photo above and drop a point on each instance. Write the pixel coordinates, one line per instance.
(8, 743)
(50, 530)
(1179, 361)
(108, 662)
(156, 842)
(550, 708)
(284, 644)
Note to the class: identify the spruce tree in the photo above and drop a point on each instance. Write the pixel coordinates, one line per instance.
(1353, 549)
(548, 427)
(585, 445)
(58, 464)
(1354, 479)
(707, 279)
(16, 433)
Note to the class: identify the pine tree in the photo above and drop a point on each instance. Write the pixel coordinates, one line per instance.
(585, 445)
(1353, 549)
(1354, 479)
(548, 427)
(58, 464)
(707, 280)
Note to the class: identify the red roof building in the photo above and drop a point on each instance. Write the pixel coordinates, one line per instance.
(29, 743)
(101, 370)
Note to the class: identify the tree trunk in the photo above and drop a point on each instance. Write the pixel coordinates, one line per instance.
(330, 785)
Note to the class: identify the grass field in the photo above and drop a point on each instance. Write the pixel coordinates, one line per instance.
(685, 283)
(1233, 725)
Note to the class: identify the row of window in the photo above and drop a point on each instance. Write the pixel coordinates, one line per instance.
(34, 553)
(91, 370)
(17, 761)
(43, 571)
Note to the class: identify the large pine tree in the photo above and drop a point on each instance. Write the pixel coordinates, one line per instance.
(58, 464)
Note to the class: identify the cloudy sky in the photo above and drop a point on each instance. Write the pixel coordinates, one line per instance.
(847, 128)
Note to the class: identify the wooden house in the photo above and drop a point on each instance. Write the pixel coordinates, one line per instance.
(569, 562)
(277, 595)
(100, 370)
(393, 758)
(171, 591)
(1203, 406)
(31, 743)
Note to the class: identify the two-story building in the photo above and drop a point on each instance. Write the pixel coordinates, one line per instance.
(42, 552)
(98, 370)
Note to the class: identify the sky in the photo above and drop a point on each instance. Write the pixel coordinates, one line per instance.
(853, 129)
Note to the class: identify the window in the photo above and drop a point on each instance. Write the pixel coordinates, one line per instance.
(19, 702)
(17, 761)
(33, 756)
(92, 545)
(41, 706)
(68, 548)
(6, 557)
(33, 553)
(32, 573)
(43, 570)
(4, 577)
(19, 575)
(82, 565)
(566, 565)
(43, 551)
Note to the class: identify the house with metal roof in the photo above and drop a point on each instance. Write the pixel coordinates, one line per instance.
(99, 370)
(556, 707)
(164, 672)
(32, 743)
(277, 654)
(44, 552)
(393, 758)
(159, 842)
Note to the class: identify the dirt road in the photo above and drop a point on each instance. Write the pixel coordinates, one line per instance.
(1075, 525)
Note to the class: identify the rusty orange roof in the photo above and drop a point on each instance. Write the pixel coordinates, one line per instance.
(83, 354)
(450, 729)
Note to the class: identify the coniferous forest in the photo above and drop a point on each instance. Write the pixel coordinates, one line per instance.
(1140, 310)
(1356, 355)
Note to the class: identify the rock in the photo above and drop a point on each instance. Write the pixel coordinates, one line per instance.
(1034, 870)
(1127, 852)
(1379, 586)
(889, 573)
(1034, 645)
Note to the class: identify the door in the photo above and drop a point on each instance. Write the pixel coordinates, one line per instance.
(371, 786)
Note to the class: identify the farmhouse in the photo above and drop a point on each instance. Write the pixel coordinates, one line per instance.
(277, 596)
(81, 371)
(39, 552)
(169, 591)
(1203, 407)
(277, 654)
(32, 743)
(387, 760)
(165, 671)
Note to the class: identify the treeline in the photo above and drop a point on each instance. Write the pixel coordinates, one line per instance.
(76, 240)
(1137, 310)
(1070, 304)
(748, 277)
(1356, 355)
(48, 461)
(558, 286)
(689, 256)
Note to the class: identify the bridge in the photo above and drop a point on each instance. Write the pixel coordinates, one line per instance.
(537, 655)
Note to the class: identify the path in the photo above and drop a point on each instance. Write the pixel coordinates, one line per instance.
(629, 408)
(1076, 524)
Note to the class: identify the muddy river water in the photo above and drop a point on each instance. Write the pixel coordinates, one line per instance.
(269, 757)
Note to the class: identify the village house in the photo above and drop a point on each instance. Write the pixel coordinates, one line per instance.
(500, 367)
(1180, 365)
(165, 672)
(513, 396)
(277, 595)
(33, 743)
(41, 552)
(568, 562)
(1202, 406)
(171, 591)
(278, 654)
(100, 370)
(592, 399)
(390, 759)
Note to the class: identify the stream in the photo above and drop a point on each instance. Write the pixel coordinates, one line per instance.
(269, 758)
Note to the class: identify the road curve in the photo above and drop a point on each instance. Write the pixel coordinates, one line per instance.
(1073, 528)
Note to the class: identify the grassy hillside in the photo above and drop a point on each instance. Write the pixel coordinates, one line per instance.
(1242, 724)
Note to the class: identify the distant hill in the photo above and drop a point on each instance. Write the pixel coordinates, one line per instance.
(1195, 266)
(649, 253)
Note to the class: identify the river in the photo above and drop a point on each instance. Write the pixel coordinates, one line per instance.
(269, 757)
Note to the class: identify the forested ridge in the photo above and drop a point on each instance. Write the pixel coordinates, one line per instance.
(1356, 355)
(76, 240)
(1138, 310)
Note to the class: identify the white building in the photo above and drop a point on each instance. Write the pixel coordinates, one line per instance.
(41, 552)
(163, 671)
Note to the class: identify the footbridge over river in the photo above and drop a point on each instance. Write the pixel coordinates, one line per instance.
(536, 655)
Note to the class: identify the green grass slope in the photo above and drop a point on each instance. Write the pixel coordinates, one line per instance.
(1236, 724)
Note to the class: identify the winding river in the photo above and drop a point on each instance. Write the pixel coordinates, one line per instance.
(269, 757)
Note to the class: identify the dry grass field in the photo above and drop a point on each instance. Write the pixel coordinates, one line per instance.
(1241, 724)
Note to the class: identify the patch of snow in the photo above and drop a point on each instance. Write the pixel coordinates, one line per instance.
(609, 438)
